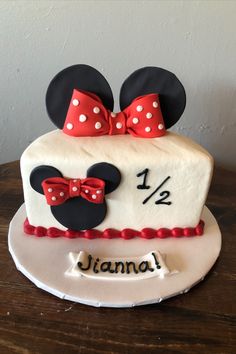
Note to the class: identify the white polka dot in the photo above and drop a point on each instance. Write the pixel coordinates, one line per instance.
(118, 125)
(75, 102)
(62, 194)
(135, 120)
(149, 115)
(113, 114)
(139, 108)
(74, 180)
(160, 126)
(98, 192)
(50, 190)
(82, 118)
(54, 198)
(148, 129)
(74, 189)
(86, 191)
(155, 104)
(96, 110)
(98, 125)
(69, 126)
(94, 196)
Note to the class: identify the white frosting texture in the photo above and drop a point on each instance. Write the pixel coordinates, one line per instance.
(187, 164)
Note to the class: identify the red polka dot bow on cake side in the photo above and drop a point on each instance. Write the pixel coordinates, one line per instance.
(57, 189)
(87, 116)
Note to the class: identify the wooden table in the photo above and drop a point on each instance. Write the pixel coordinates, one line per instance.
(201, 321)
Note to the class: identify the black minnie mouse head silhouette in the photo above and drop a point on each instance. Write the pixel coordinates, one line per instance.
(78, 213)
(147, 80)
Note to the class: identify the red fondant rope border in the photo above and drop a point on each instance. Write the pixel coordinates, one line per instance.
(126, 234)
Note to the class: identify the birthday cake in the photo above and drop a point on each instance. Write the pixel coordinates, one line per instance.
(112, 185)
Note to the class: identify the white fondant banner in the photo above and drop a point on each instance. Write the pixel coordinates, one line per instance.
(123, 268)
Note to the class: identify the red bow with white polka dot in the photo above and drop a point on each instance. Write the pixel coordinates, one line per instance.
(57, 189)
(87, 116)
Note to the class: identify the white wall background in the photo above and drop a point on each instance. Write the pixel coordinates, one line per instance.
(194, 39)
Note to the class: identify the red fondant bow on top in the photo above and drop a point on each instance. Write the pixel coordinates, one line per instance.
(87, 116)
(57, 189)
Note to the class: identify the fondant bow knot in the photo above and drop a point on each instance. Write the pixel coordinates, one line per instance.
(58, 189)
(87, 116)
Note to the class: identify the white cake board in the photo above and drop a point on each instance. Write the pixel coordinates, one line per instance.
(44, 261)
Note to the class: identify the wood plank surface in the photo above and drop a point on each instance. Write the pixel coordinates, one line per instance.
(201, 321)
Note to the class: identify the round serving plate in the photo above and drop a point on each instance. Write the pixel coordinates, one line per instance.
(47, 262)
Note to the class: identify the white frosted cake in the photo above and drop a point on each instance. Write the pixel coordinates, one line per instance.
(180, 199)
(113, 200)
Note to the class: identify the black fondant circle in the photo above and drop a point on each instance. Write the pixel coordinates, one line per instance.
(79, 214)
(108, 173)
(81, 77)
(156, 80)
(39, 174)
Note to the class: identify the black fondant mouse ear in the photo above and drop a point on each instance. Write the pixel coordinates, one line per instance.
(108, 173)
(80, 77)
(156, 80)
(39, 174)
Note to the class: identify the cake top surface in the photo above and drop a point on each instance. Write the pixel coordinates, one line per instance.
(120, 147)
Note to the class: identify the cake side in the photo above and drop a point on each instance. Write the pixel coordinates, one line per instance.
(178, 169)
